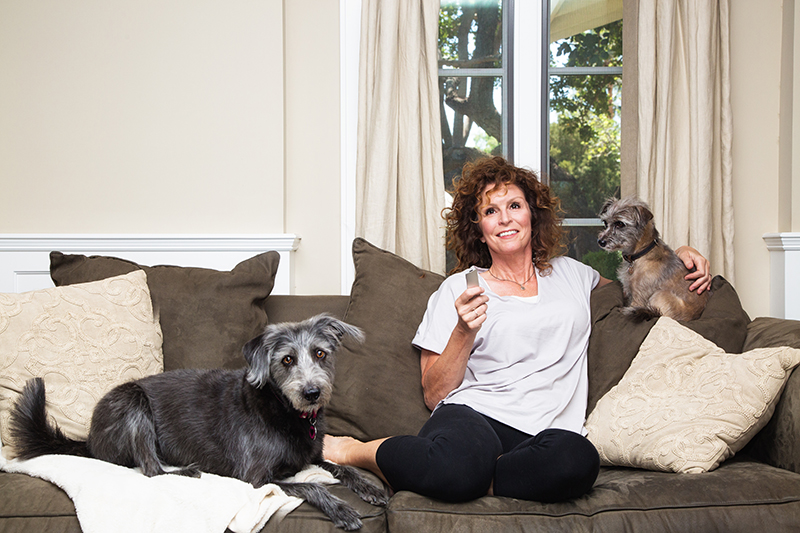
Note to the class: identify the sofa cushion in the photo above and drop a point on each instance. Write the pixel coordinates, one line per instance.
(615, 338)
(206, 315)
(740, 496)
(685, 405)
(378, 390)
(779, 442)
(33, 504)
(83, 340)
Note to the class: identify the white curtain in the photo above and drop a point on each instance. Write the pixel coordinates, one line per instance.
(399, 177)
(684, 121)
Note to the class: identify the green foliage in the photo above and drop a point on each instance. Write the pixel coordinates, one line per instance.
(600, 47)
(584, 168)
(449, 20)
(485, 143)
(605, 263)
(579, 98)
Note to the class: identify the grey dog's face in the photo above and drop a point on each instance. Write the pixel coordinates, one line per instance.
(299, 359)
(625, 221)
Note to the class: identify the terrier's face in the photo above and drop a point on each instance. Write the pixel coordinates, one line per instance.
(298, 359)
(625, 224)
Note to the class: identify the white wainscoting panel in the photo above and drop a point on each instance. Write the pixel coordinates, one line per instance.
(784, 278)
(25, 258)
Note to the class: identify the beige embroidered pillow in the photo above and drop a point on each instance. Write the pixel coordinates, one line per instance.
(685, 405)
(83, 340)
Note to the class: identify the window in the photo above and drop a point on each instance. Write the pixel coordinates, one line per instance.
(473, 82)
(585, 86)
(506, 89)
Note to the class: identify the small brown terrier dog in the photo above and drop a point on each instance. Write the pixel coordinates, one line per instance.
(652, 275)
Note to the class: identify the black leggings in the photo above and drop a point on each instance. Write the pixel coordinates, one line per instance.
(460, 452)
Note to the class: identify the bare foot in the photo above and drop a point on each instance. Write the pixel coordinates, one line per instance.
(352, 452)
(338, 449)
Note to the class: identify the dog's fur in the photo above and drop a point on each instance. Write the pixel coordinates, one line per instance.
(256, 424)
(654, 283)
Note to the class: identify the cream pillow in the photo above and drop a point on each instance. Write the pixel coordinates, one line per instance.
(685, 405)
(83, 340)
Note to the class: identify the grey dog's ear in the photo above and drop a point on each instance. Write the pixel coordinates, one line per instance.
(258, 371)
(254, 345)
(335, 328)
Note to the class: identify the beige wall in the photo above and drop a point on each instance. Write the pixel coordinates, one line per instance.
(762, 94)
(313, 183)
(202, 116)
(174, 116)
(141, 117)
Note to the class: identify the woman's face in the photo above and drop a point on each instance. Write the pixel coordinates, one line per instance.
(505, 221)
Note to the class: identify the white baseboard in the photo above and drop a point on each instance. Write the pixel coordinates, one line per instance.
(25, 261)
(784, 264)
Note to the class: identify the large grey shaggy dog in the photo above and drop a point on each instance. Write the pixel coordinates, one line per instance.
(259, 424)
(652, 275)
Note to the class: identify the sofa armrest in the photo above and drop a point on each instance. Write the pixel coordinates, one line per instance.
(778, 443)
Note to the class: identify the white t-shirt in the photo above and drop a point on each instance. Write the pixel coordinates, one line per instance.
(527, 368)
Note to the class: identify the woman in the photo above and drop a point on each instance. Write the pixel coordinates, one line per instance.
(503, 363)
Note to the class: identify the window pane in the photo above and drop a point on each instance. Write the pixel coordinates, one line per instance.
(582, 241)
(585, 105)
(584, 142)
(470, 34)
(472, 125)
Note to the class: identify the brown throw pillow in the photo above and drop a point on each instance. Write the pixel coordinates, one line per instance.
(206, 315)
(378, 391)
(616, 338)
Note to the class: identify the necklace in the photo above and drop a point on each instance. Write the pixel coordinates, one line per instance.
(521, 285)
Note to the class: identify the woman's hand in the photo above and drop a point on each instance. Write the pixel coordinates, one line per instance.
(471, 308)
(699, 268)
(442, 373)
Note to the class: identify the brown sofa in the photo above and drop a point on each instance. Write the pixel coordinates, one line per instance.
(378, 393)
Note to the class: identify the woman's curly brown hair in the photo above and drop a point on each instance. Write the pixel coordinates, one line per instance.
(464, 234)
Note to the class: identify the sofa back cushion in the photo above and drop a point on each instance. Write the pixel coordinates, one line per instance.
(206, 315)
(778, 443)
(378, 390)
(616, 338)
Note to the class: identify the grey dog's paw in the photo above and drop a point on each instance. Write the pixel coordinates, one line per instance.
(355, 481)
(345, 517)
(373, 495)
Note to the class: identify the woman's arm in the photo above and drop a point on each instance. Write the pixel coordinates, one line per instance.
(603, 281)
(443, 373)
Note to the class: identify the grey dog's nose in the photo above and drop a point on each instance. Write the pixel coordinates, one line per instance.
(601, 243)
(311, 394)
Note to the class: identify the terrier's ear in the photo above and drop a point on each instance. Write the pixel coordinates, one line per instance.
(255, 353)
(607, 205)
(644, 214)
